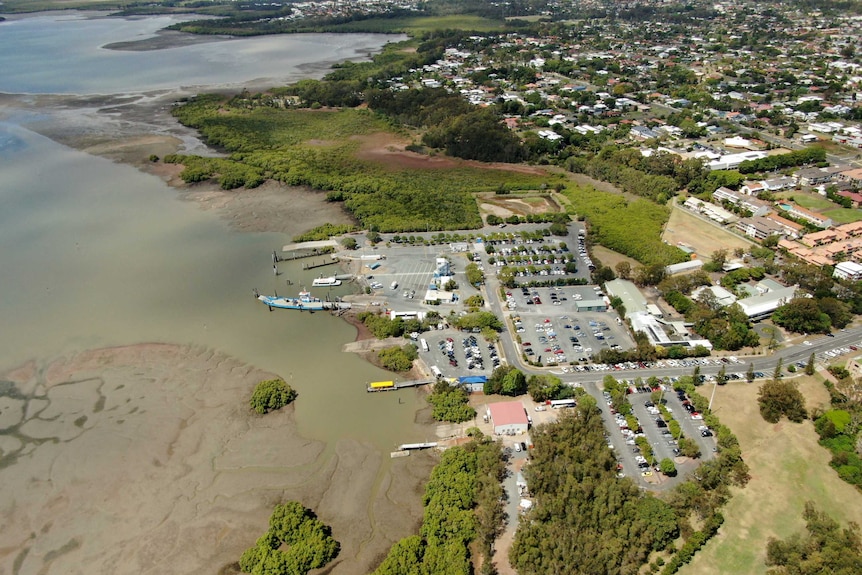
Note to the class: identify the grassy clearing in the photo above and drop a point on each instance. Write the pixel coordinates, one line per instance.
(610, 258)
(704, 238)
(820, 204)
(844, 215)
(788, 468)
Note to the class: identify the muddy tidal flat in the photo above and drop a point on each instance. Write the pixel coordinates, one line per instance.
(146, 459)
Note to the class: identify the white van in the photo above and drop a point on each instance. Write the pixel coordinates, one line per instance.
(394, 285)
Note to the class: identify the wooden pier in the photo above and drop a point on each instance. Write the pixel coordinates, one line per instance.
(311, 266)
(401, 385)
(410, 446)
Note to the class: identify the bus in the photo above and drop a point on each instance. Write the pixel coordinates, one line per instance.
(559, 403)
(424, 344)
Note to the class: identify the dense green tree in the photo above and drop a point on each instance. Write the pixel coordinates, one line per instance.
(349, 243)
(688, 447)
(545, 386)
(585, 518)
(839, 312)
(479, 320)
(779, 397)
(295, 543)
(397, 358)
(825, 548)
(475, 276)
(809, 367)
(474, 301)
(514, 383)
(451, 403)
(463, 503)
(270, 395)
(667, 466)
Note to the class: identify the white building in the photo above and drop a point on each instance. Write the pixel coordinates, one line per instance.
(848, 271)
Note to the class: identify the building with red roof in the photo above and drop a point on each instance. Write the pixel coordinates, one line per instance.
(508, 418)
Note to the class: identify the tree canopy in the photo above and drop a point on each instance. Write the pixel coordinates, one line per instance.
(585, 519)
(270, 395)
(825, 547)
(309, 544)
(451, 403)
(781, 398)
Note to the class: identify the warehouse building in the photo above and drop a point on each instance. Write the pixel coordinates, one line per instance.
(508, 418)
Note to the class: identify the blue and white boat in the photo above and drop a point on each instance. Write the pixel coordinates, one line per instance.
(303, 302)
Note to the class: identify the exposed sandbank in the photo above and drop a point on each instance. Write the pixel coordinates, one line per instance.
(146, 459)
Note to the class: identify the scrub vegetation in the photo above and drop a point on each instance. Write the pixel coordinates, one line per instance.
(319, 148)
(612, 217)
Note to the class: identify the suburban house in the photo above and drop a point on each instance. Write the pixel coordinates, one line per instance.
(801, 213)
(853, 177)
(817, 176)
(760, 228)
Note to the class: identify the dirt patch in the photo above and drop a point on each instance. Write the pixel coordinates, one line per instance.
(611, 258)
(505, 206)
(146, 459)
(685, 229)
(390, 150)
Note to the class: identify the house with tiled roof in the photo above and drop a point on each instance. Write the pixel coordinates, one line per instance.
(797, 211)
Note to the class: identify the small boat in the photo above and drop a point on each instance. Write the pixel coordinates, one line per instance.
(303, 301)
(326, 281)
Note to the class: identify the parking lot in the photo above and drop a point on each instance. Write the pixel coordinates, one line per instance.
(652, 425)
(537, 260)
(563, 338)
(457, 353)
(411, 269)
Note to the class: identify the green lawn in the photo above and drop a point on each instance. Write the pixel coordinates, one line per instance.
(788, 468)
(812, 201)
(820, 204)
(844, 215)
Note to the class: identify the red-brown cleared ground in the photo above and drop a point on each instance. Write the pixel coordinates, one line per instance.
(390, 151)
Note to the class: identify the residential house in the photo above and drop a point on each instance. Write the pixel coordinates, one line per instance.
(810, 216)
(853, 177)
(855, 197)
(753, 205)
(760, 227)
(817, 176)
(848, 271)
